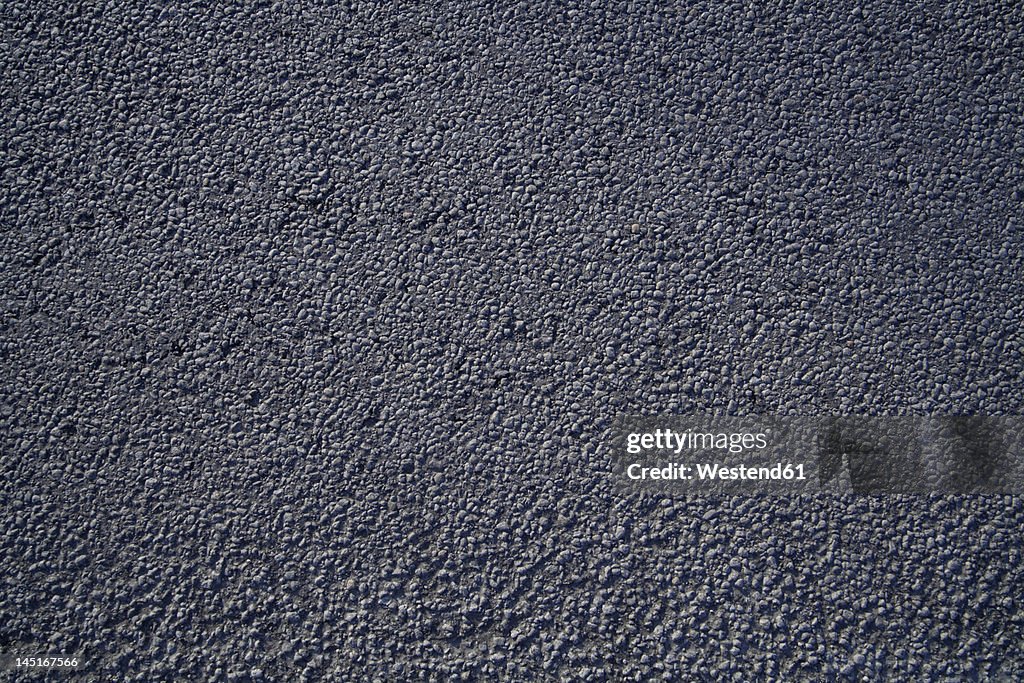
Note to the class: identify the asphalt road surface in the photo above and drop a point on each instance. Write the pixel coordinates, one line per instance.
(314, 315)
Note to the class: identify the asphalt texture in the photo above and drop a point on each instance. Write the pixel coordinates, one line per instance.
(314, 318)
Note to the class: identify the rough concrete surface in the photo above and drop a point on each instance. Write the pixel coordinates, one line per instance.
(314, 316)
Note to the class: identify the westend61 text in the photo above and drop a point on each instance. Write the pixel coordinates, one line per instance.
(714, 471)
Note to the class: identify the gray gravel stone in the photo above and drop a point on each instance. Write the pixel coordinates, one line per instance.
(313, 317)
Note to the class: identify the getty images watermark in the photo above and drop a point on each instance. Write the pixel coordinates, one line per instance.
(794, 455)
